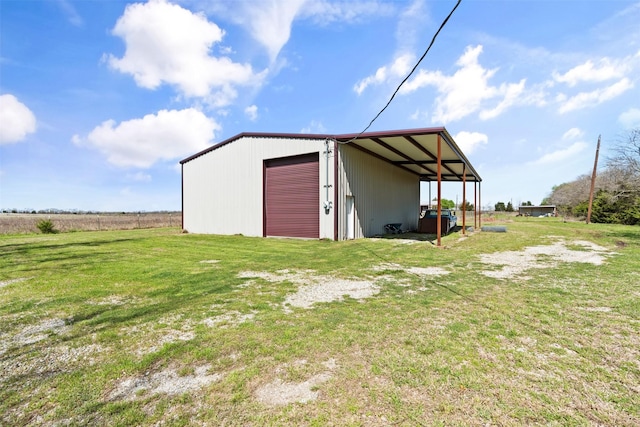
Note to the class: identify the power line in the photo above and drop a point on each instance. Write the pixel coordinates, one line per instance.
(408, 75)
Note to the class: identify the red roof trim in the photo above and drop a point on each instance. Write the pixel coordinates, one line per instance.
(390, 133)
(341, 138)
(256, 135)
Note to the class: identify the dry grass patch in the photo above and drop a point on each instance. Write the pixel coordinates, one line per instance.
(231, 318)
(152, 336)
(316, 289)
(168, 381)
(514, 263)
(4, 283)
(279, 392)
(31, 334)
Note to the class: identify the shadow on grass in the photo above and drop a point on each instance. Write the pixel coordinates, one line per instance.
(68, 255)
(105, 319)
(422, 237)
(26, 248)
(418, 237)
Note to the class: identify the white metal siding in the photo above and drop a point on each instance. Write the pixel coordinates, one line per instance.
(383, 193)
(223, 189)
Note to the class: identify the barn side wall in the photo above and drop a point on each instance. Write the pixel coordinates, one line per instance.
(223, 189)
(383, 193)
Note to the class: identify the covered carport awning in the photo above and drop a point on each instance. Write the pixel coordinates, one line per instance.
(429, 153)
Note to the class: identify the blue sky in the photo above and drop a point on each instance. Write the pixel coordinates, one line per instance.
(99, 100)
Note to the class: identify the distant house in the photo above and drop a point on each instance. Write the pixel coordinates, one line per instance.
(317, 186)
(545, 210)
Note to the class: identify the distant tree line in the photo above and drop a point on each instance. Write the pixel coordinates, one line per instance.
(501, 207)
(450, 204)
(617, 187)
(73, 211)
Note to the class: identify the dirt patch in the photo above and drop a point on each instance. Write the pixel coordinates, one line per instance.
(4, 283)
(112, 300)
(418, 271)
(329, 290)
(50, 360)
(232, 318)
(422, 272)
(318, 289)
(278, 392)
(169, 337)
(167, 382)
(152, 338)
(315, 289)
(427, 271)
(597, 309)
(514, 263)
(388, 266)
(26, 359)
(34, 333)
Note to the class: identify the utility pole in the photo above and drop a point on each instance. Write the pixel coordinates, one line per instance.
(593, 181)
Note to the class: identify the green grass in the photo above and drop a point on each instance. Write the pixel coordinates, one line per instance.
(83, 313)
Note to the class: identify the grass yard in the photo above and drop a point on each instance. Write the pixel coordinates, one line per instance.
(539, 325)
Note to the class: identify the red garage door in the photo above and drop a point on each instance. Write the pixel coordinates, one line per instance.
(292, 196)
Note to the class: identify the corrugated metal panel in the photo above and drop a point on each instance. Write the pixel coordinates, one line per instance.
(383, 193)
(292, 194)
(223, 189)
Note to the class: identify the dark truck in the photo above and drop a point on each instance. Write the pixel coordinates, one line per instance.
(428, 218)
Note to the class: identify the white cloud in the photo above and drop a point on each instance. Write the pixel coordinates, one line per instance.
(410, 20)
(251, 112)
(606, 69)
(512, 94)
(270, 22)
(460, 94)
(468, 91)
(168, 44)
(593, 98)
(469, 141)
(630, 118)
(560, 155)
(314, 127)
(420, 115)
(323, 12)
(140, 143)
(16, 120)
(71, 12)
(573, 133)
(622, 71)
(410, 23)
(398, 68)
(139, 176)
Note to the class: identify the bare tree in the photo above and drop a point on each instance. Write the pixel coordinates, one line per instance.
(623, 167)
(626, 152)
(617, 185)
(570, 194)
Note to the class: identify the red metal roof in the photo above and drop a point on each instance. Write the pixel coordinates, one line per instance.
(414, 150)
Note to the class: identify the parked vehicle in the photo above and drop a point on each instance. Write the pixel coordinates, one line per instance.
(428, 220)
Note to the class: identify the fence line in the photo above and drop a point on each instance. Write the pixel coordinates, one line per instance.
(16, 223)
